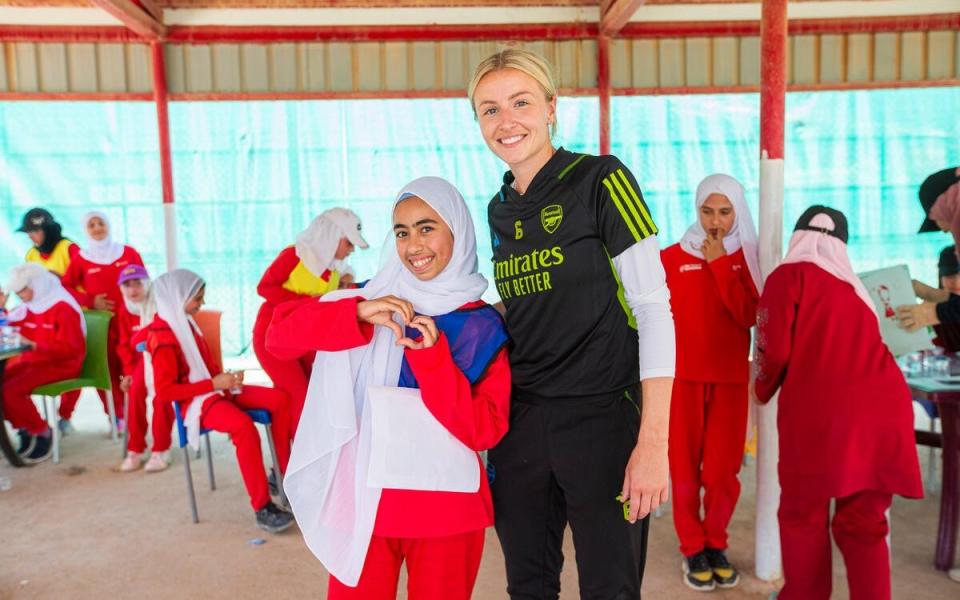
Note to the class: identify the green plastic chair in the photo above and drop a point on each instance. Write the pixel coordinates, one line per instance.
(94, 374)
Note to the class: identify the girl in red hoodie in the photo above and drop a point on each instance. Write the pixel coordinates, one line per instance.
(92, 279)
(844, 414)
(714, 278)
(184, 371)
(51, 323)
(308, 269)
(364, 505)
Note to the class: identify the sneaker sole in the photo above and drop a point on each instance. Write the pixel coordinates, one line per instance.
(728, 584)
(705, 588)
(271, 529)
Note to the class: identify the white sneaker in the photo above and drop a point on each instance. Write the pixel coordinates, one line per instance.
(159, 461)
(132, 462)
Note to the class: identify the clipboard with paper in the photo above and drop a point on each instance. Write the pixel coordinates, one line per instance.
(411, 450)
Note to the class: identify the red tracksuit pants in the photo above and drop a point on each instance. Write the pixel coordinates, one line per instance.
(860, 529)
(227, 416)
(438, 568)
(161, 424)
(68, 401)
(291, 376)
(19, 381)
(708, 427)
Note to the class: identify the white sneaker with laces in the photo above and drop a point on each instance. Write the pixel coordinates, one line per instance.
(132, 462)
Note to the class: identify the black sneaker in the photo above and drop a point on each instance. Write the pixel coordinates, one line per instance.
(270, 518)
(26, 442)
(697, 573)
(724, 573)
(41, 451)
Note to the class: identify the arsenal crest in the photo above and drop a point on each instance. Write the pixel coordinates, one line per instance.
(550, 217)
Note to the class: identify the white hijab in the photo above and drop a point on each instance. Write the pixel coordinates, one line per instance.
(47, 291)
(827, 252)
(743, 234)
(171, 291)
(101, 252)
(316, 245)
(327, 475)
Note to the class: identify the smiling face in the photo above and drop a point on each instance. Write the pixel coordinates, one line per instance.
(97, 229)
(344, 249)
(134, 290)
(193, 305)
(515, 116)
(717, 215)
(424, 241)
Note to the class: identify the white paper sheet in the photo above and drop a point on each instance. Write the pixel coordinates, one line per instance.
(890, 288)
(411, 450)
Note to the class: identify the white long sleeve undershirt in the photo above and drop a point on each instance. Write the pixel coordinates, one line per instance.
(645, 290)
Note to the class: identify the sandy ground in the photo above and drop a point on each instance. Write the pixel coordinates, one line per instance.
(81, 530)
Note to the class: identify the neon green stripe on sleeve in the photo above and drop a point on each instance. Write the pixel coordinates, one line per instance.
(647, 219)
(623, 213)
(633, 210)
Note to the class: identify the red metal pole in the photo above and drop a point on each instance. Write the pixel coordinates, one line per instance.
(773, 77)
(166, 161)
(603, 88)
(163, 121)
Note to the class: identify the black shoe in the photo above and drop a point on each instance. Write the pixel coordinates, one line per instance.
(697, 573)
(270, 518)
(27, 442)
(724, 573)
(272, 483)
(41, 451)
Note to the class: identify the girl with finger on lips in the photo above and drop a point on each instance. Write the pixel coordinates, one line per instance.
(419, 328)
(714, 277)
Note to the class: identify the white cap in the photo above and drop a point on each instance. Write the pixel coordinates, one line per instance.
(349, 224)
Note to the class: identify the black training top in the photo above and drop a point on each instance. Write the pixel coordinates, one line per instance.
(572, 333)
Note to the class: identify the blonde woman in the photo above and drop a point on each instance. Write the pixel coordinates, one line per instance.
(577, 265)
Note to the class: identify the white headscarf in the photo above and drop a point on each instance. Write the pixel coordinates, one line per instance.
(146, 309)
(101, 252)
(47, 291)
(171, 291)
(827, 252)
(316, 245)
(326, 480)
(743, 234)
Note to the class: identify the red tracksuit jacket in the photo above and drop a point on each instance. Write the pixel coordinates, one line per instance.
(477, 416)
(86, 279)
(58, 335)
(845, 412)
(171, 374)
(714, 306)
(129, 326)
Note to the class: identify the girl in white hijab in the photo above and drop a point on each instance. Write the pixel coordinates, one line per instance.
(52, 326)
(411, 365)
(92, 279)
(714, 278)
(308, 269)
(186, 372)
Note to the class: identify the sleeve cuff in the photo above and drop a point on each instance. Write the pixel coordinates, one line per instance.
(429, 358)
(654, 373)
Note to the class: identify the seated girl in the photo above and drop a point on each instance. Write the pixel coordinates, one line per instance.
(363, 512)
(184, 371)
(51, 324)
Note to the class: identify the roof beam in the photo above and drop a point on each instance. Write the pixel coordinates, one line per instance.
(134, 17)
(615, 14)
(152, 9)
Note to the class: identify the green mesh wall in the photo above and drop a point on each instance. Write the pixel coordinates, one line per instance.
(249, 175)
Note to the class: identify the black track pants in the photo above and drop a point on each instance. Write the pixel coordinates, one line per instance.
(563, 461)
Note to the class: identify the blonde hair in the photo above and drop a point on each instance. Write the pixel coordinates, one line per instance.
(520, 59)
